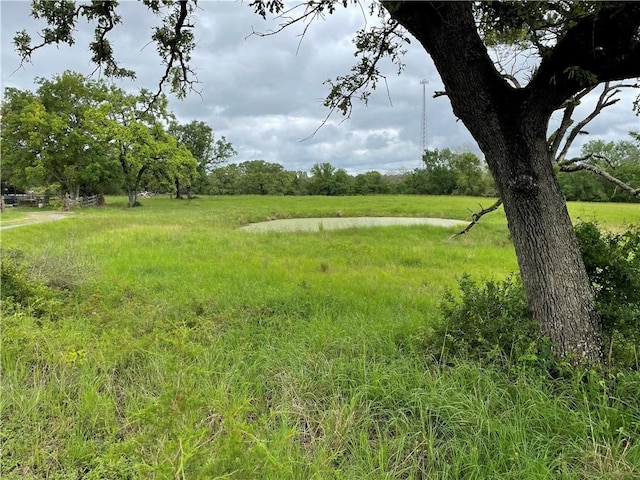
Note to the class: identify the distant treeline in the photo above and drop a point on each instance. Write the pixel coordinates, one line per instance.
(444, 173)
(107, 141)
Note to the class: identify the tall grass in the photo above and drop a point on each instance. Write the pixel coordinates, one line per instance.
(189, 349)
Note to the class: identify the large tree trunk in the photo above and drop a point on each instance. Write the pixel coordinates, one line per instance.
(132, 195)
(510, 127)
(558, 289)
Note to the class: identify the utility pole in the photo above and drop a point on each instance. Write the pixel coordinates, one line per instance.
(423, 128)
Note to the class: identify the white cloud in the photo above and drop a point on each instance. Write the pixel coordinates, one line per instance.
(265, 94)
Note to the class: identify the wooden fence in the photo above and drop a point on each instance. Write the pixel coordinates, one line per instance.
(32, 200)
(86, 201)
(91, 201)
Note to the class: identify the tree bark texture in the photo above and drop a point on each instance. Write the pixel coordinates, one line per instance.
(510, 126)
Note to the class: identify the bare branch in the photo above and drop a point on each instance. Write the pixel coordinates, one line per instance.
(311, 12)
(555, 139)
(322, 124)
(514, 62)
(578, 164)
(583, 158)
(475, 217)
(606, 99)
(512, 79)
(372, 45)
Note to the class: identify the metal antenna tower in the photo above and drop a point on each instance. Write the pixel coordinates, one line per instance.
(423, 127)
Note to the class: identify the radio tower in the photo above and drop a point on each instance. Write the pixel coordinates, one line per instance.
(423, 128)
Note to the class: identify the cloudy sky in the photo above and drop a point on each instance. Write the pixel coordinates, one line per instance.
(264, 94)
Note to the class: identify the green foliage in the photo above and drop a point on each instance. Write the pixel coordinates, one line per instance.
(613, 264)
(371, 45)
(47, 138)
(583, 186)
(439, 175)
(445, 173)
(198, 138)
(371, 183)
(263, 178)
(92, 138)
(61, 20)
(21, 290)
(225, 180)
(449, 173)
(134, 128)
(491, 321)
(471, 178)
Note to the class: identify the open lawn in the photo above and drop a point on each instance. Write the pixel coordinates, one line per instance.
(186, 348)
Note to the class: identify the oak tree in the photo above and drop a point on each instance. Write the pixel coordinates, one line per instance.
(136, 134)
(47, 140)
(578, 45)
(199, 139)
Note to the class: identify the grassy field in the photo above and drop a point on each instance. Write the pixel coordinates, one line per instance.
(185, 348)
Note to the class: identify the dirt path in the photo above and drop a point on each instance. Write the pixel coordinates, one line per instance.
(318, 224)
(32, 219)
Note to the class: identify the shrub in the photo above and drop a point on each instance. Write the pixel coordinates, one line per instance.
(612, 261)
(490, 321)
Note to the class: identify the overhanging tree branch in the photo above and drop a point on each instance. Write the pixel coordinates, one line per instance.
(601, 46)
(606, 99)
(175, 43)
(62, 18)
(373, 44)
(174, 37)
(581, 163)
(365, 75)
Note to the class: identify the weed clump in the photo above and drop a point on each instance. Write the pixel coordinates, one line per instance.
(37, 282)
(488, 321)
(19, 289)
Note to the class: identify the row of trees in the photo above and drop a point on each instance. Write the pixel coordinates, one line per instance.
(445, 173)
(81, 136)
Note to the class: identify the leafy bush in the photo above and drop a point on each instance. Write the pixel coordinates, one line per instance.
(613, 264)
(490, 321)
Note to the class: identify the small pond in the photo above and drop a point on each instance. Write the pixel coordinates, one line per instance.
(319, 224)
